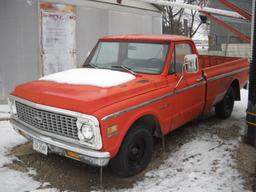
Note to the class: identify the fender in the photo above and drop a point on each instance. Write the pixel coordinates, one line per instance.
(124, 122)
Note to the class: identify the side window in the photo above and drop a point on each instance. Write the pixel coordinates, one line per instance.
(181, 50)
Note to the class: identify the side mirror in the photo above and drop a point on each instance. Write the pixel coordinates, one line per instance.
(191, 63)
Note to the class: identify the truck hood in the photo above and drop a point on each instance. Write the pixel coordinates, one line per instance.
(85, 90)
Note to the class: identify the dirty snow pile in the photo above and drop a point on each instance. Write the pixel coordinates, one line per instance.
(11, 180)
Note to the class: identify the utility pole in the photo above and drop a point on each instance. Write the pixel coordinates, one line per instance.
(251, 109)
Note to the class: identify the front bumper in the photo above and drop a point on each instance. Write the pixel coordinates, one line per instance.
(60, 147)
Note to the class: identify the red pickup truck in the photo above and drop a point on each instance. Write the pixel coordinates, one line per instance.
(130, 89)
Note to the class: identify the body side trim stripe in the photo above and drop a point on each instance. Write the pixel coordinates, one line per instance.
(227, 74)
(151, 101)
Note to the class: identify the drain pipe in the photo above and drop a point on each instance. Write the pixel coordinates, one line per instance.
(251, 109)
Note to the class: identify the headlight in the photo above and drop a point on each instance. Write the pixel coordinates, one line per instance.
(85, 131)
(89, 132)
(12, 106)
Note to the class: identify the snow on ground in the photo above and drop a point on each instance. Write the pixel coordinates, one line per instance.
(200, 165)
(4, 111)
(205, 163)
(11, 180)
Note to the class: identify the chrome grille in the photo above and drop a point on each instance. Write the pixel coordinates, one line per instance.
(47, 121)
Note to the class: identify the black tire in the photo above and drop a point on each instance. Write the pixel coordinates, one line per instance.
(225, 107)
(135, 152)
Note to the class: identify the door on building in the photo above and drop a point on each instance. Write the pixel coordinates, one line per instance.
(58, 37)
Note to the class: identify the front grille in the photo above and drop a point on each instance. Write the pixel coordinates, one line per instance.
(47, 121)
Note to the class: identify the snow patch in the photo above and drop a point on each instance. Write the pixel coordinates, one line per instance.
(11, 180)
(94, 77)
(8, 140)
(204, 164)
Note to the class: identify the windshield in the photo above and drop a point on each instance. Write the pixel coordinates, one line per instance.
(137, 57)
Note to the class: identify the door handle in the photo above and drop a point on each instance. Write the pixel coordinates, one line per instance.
(200, 79)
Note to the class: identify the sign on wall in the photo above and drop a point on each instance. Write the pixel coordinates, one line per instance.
(58, 37)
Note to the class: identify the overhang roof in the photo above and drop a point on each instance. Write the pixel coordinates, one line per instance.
(134, 3)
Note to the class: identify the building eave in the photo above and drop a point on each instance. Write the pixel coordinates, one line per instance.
(134, 4)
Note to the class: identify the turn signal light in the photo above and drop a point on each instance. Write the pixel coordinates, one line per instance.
(72, 154)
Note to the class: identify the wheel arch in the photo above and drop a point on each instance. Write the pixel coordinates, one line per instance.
(148, 117)
(152, 123)
(236, 86)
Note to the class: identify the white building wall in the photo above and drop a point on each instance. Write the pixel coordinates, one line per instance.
(128, 23)
(19, 44)
(94, 22)
(157, 25)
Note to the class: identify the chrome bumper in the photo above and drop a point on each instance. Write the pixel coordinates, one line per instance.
(60, 147)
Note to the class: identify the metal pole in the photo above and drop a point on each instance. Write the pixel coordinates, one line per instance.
(196, 8)
(237, 9)
(251, 110)
(101, 178)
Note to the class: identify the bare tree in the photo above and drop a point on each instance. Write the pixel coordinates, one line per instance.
(172, 20)
(180, 21)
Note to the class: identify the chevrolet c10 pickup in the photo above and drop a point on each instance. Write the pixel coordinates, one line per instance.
(130, 89)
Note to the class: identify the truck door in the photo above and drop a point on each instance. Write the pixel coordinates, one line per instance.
(189, 89)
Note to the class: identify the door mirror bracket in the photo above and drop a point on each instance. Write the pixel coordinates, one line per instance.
(190, 66)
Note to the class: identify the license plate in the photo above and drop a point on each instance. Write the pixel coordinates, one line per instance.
(40, 147)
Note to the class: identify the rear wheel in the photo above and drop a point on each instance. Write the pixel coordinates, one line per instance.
(135, 152)
(225, 107)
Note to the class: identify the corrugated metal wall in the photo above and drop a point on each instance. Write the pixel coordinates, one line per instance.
(92, 23)
(19, 36)
(18, 44)
(96, 22)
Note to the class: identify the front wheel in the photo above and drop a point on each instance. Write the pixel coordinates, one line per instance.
(135, 152)
(225, 107)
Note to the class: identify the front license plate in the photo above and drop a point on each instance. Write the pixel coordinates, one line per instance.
(40, 147)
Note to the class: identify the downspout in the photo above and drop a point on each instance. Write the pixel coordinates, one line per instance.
(251, 109)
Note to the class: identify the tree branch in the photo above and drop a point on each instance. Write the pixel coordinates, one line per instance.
(194, 32)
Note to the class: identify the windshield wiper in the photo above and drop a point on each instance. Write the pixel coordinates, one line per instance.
(125, 68)
(92, 65)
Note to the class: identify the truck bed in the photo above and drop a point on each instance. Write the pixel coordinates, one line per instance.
(209, 61)
(220, 73)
